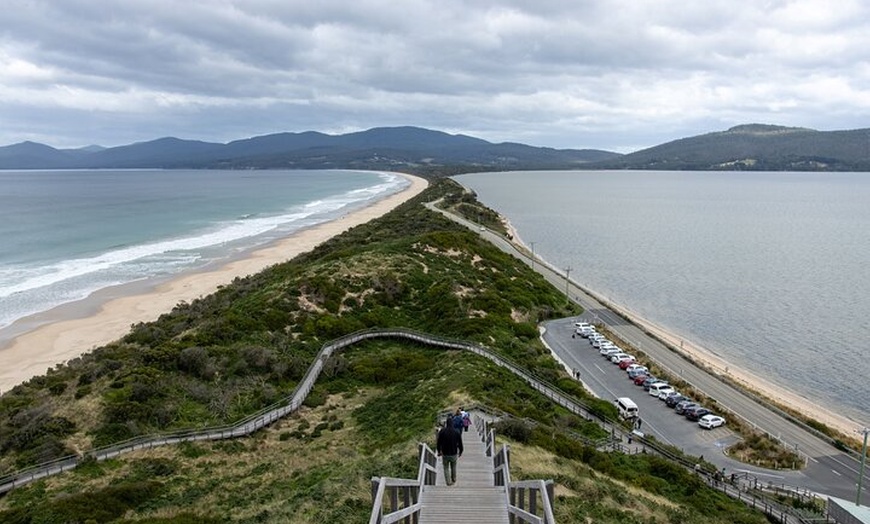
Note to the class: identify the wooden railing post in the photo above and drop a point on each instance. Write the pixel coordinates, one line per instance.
(551, 492)
(376, 481)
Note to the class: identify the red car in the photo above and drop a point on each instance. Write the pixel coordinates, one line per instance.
(625, 363)
(640, 379)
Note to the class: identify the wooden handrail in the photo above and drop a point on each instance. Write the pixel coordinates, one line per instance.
(412, 488)
(291, 403)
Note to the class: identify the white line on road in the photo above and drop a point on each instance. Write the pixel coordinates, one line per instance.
(837, 473)
(599, 369)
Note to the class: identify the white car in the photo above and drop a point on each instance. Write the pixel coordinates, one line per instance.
(632, 367)
(711, 421)
(665, 393)
(585, 331)
(609, 351)
(599, 341)
(597, 337)
(619, 357)
(657, 392)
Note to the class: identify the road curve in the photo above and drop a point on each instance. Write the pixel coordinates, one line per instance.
(828, 470)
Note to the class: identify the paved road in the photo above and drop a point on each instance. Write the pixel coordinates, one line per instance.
(828, 470)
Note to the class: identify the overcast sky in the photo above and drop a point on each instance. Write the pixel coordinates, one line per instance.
(616, 75)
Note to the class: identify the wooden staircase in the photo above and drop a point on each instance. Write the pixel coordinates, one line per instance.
(474, 498)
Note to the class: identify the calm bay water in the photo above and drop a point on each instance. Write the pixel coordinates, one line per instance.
(67, 234)
(768, 270)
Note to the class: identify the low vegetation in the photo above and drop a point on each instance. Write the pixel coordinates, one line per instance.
(220, 358)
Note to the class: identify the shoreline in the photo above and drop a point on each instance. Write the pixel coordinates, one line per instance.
(711, 362)
(68, 331)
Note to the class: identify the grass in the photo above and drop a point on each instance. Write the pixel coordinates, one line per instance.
(224, 356)
(319, 474)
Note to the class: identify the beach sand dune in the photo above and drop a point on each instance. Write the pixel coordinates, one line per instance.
(62, 336)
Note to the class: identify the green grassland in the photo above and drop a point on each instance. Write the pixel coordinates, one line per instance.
(217, 359)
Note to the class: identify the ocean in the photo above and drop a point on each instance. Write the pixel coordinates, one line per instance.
(767, 270)
(67, 234)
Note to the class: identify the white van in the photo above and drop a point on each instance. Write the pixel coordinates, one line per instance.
(626, 407)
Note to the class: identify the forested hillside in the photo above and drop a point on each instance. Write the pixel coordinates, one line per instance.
(756, 147)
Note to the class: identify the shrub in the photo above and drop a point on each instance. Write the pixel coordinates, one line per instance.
(514, 429)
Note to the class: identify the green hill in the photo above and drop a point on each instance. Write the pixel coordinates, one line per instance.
(217, 359)
(756, 147)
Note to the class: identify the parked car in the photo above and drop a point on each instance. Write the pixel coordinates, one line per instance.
(673, 400)
(649, 382)
(585, 332)
(711, 421)
(696, 413)
(625, 363)
(658, 387)
(636, 372)
(665, 394)
(596, 337)
(598, 341)
(607, 345)
(640, 379)
(633, 366)
(681, 407)
(609, 351)
(616, 358)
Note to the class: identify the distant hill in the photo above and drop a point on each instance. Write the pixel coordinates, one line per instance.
(378, 148)
(31, 154)
(756, 147)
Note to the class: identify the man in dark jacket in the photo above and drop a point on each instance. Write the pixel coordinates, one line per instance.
(449, 448)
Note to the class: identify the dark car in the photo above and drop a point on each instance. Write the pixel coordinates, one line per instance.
(681, 407)
(674, 400)
(696, 412)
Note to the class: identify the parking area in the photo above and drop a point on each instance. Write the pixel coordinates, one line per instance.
(605, 369)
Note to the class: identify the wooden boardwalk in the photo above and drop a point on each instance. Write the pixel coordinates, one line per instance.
(473, 499)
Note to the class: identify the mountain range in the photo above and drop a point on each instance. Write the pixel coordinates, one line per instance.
(386, 147)
(747, 147)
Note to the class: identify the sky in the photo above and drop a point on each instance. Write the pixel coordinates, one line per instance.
(602, 74)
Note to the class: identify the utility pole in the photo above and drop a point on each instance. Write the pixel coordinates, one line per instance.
(863, 460)
(533, 255)
(568, 297)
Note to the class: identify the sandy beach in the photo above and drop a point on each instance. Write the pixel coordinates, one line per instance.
(716, 364)
(60, 338)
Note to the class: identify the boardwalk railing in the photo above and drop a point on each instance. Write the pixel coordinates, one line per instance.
(395, 500)
(291, 403)
(524, 498)
(254, 422)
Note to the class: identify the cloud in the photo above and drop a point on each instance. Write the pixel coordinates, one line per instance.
(603, 74)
